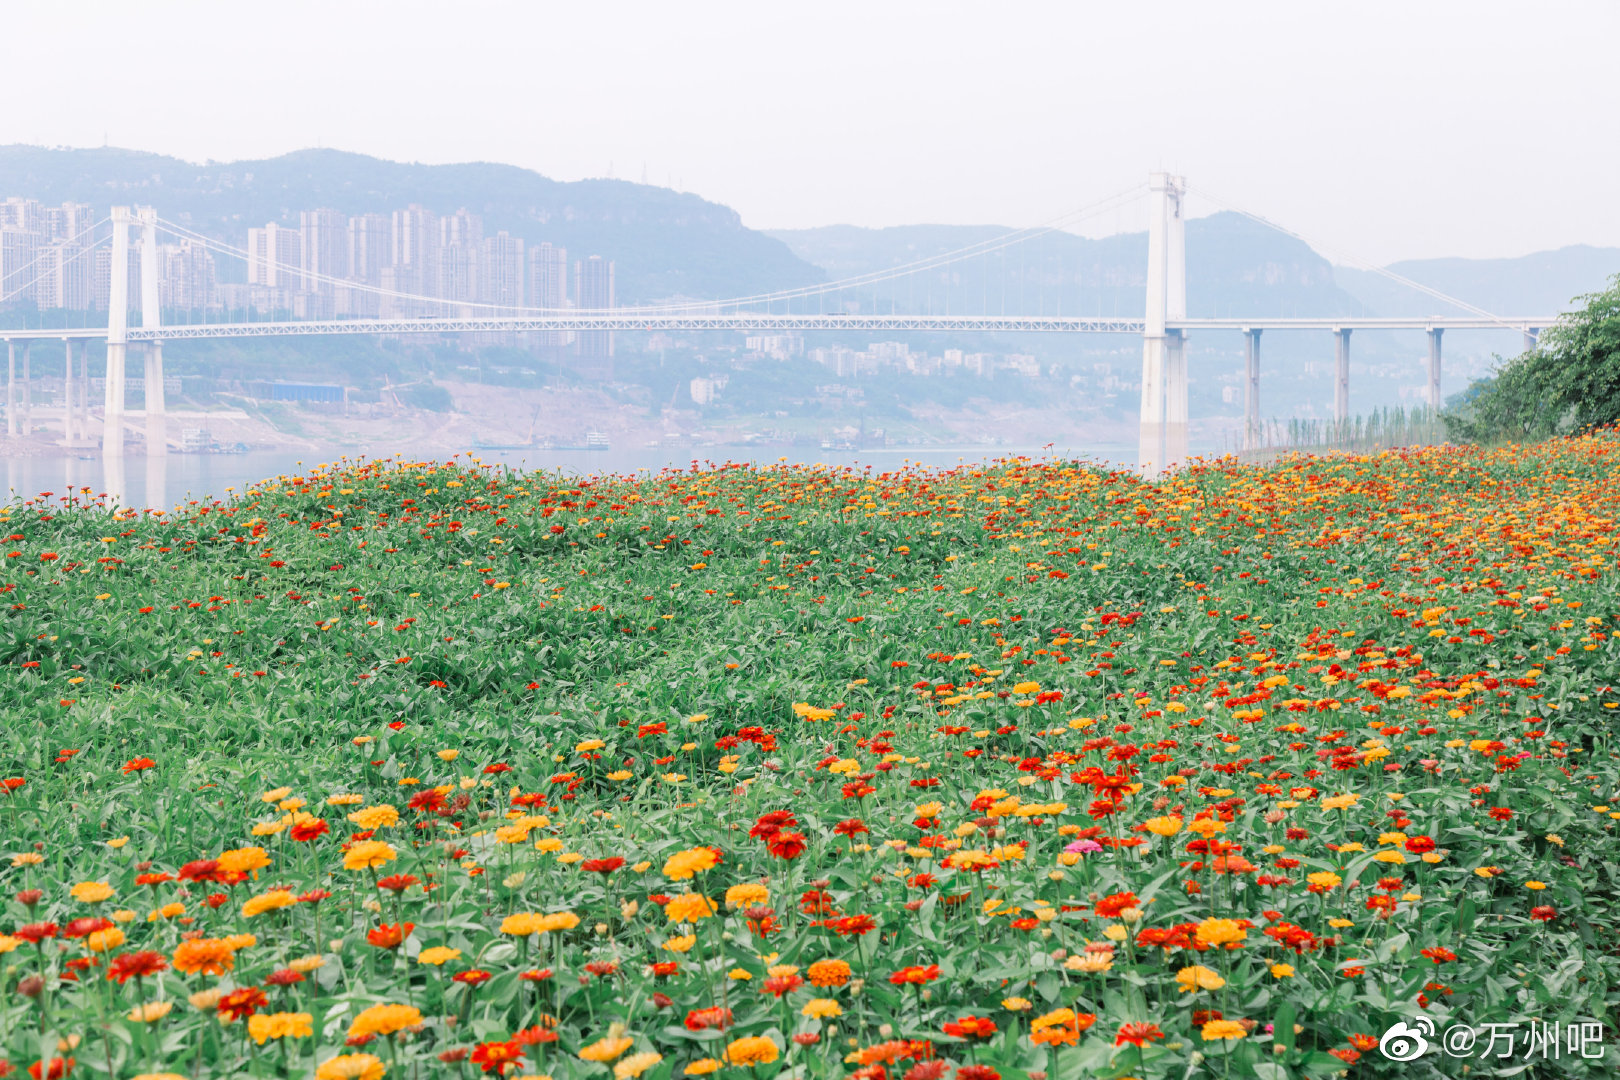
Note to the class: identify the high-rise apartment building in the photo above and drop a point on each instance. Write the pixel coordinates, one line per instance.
(503, 270)
(275, 257)
(414, 265)
(186, 277)
(370, 254)
(461, 257)
(548, 288)
(593, 291)
(18, 246)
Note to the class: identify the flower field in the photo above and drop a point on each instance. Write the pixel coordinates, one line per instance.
(1032, 770)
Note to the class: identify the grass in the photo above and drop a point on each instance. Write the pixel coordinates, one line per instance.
(405, 769)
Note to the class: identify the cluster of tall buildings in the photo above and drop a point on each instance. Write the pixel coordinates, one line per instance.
(897, 356)
(409, 263)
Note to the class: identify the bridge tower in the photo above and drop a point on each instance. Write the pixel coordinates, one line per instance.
(157, 436)
(112, 438)
(1163, 436)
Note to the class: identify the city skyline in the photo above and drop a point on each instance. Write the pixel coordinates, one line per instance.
(907, 114)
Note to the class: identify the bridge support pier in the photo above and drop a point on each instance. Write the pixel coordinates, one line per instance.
(112, 439)
(1532, 338)
(1251, 388)
(1434, 368)
(11, 389)
(1341, 375)
(70, 395)
(1162, 438)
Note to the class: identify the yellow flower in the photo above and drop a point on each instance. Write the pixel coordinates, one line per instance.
(437, 955)
(606, 1049)
(1220, 931)
(351, 1067)
(1017, 1004)
(1163, 826)
(247, 860)
(368, 855)
(274, 900)
(104, 940)
(752, 1050)
(1324, 879)
(636, 1064)
(347, 800)
(282, 1025)
(92, 892)
(1536, 885)
(689, 907)
(117, 842)
(27, 858)
(558, 920)
(306, 964)
(8, 943)
(1198, 977)
(680, 944)
(375, 817)
(384, 1020)
(703, 1067)
(206, 1000)
(276, 795)
(1340, 802)
(151, 1012)
(746, 894)
(449, 755)
(1223, 1029)
(588, 745)
(521, 924)
(1282, 971)
(123, 915)
(683, 865)
(821, 1009)
(1390, 856)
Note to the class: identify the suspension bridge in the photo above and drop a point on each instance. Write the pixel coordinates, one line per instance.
(1164, 327)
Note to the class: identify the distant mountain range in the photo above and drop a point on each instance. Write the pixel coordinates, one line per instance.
(1235, 267)
(664, 243)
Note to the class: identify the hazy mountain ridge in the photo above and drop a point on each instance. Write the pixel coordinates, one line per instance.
(664, 242)
(1234, 267)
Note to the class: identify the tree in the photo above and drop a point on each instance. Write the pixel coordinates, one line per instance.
(1571, 383)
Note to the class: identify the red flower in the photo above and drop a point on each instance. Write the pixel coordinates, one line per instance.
(1137, 1033)
(84, 927)
(494, 1057)
(283, 977)
(239, 1003)
(663, 969)
(138, 965)
(314, 896)
(153, 879)
(976, 1072)
(971, 1027)
(602, 968)
(59, 1067)
(140, 764)
(786, 845)
(427, 801)
(397, 883)
(708, 1019)
(915, 975)
(851, 827)
(1110, 906)
(535, 1036)
(536, 975)
(36, 932)
(769, 824)
(497, 768)
(854, 925)
(200, 870)
(602, 866)
(389, 936)
(1439, 954)
(472, 977)
(1542, 913)
(306, 831)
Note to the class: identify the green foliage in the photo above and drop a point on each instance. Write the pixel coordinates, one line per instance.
(1570, 383)
(429, 396)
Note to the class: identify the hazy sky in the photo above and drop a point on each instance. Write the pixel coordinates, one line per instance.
(1389, 130)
